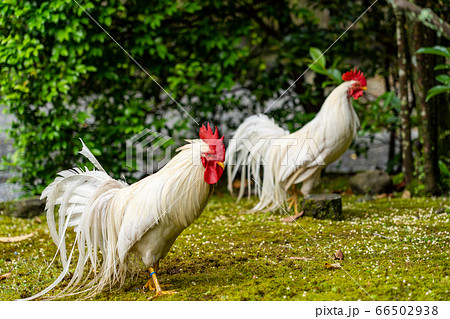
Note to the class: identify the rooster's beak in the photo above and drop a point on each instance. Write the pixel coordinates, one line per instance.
(364, 88)
(221, 164)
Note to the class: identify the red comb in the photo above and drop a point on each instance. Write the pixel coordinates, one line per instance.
(207, 133)
(355, 75)
(215, 143)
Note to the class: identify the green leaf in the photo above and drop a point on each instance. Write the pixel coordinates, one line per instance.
(317, 56)
(388, 99)
(437, 49)
(335, 74)
(438, 89)
(444, 169)
(442, 67)
(318, 68)
(444, 79)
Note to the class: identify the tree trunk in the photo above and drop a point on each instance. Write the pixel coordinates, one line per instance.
(423, 81)
(403, 94)
(391, 161)
(425, 15)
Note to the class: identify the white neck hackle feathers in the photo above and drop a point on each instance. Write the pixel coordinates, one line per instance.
(117, 219)
(272, 159)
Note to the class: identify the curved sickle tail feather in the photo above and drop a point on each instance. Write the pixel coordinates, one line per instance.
(250, 152)
(84, 199)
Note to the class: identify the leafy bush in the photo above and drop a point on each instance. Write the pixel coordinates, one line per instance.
(64, 78)
(442, 78)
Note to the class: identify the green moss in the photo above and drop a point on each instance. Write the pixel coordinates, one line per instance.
(6, 207)
(396, 249)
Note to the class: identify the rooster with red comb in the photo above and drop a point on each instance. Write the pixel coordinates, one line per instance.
(115, 219)
(272, 159)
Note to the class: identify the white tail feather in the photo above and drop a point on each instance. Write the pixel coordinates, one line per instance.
(81, 196)
(87, 153)
(246, 153)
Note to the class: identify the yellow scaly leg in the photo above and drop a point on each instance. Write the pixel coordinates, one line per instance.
(149, 283)
(159, 291)
(293, 200)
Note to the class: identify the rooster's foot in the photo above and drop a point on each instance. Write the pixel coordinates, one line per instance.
(162, 293)
(294, 199)
(149, 285)
(159, 291)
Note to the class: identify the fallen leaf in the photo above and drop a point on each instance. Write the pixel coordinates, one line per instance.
(339, 255)
(16, 239)
(6, 276)
(290, 219)
(37, 220)
(299, 258)
(254, 277)
(384, 195)
(406, 194)
(332, 266)
(354, 156)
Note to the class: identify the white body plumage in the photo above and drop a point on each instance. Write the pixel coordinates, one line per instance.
(261, 146)
(108, 215)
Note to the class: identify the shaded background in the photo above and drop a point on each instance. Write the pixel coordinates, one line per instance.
(63, 78)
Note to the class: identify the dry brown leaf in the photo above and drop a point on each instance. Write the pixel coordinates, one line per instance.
(299, 258)
(332, 266)
(384, 195)
(37, 220)
(406, 194)
(5, 276)
(16, 239)
(339, 255)
(290, 219)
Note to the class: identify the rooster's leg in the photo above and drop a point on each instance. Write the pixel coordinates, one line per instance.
(293, 199)
(159, 291)
(149, 283)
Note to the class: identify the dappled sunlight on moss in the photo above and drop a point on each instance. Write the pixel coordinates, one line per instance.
(396, 249)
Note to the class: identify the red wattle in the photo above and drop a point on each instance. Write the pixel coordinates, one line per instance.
(357, 94)
(213, 173)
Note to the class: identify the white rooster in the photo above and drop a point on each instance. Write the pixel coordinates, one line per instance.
(117, 219)
(260, 147)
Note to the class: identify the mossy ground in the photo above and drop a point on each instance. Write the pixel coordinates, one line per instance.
(230, 255)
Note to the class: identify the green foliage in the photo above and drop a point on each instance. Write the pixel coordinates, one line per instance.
(318, 65)
(442, 78)
(63, 78)
(444, 171)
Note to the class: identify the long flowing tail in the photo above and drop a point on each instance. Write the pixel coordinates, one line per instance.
(83, 197)
(250, 152)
